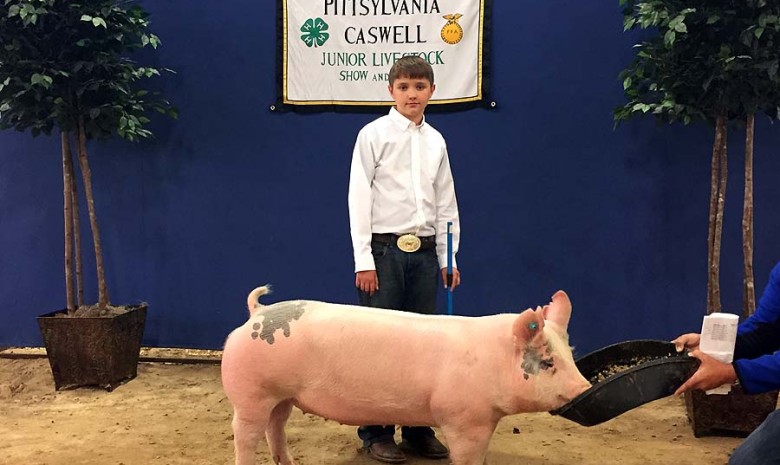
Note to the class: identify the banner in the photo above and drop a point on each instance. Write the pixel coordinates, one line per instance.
(337, 53)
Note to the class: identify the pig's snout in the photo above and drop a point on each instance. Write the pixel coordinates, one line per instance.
(574, 389)
(579, 388)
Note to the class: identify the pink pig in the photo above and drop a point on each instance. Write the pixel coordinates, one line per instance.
(352, 365)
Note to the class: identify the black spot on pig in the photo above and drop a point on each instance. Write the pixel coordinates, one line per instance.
(534, 360)
(277, 317)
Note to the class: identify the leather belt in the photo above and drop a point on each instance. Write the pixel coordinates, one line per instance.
(426, 242)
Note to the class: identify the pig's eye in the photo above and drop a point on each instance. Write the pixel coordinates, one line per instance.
(546, 363)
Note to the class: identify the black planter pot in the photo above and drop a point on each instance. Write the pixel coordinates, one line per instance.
(93, 351)
(732, 414)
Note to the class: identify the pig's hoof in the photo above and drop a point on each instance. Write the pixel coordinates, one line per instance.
(426, 446)
(386, 451)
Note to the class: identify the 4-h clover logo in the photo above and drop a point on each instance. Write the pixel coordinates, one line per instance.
(314, 32)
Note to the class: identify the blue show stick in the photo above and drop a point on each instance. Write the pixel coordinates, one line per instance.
(449, 268)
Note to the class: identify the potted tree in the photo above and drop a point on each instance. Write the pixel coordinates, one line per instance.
(67, 66)
(717, 63)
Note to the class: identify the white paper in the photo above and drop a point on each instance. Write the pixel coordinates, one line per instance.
(718, 337)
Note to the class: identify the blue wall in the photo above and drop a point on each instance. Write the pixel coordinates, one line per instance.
(233, 195)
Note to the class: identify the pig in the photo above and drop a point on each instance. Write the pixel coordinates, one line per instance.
(361, 366)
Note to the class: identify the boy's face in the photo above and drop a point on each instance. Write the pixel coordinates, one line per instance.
(411, 96)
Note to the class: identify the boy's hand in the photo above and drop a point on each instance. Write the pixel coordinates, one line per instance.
(367, 281)
(688, 341)
(455, 278)
(711, 374)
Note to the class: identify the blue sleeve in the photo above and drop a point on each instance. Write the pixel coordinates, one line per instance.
(760, 374)
(757, 360)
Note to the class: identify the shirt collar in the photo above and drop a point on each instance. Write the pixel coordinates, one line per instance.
(403, 121)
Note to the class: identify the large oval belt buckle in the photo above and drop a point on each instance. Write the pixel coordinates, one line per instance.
(409, 243)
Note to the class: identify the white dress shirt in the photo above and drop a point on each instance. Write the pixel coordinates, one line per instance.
(400, 182)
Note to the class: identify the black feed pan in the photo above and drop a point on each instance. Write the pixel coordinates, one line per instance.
(625, 376)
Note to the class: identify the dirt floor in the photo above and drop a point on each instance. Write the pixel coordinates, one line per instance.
(177, 414)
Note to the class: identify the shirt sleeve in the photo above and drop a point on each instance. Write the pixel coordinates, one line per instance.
(757, 360)
(760, 374)
(361, 176)
(446, 211)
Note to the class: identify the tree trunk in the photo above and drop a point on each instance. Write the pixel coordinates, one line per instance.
(748, 284)
(77, 238)
(723, 162)
(67, 194)
(86, 174)
(718, 173)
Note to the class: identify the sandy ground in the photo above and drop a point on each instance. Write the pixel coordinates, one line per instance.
(177, 414)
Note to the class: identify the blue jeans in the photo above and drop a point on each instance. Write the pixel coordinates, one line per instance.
(408, 282)
(762, 447)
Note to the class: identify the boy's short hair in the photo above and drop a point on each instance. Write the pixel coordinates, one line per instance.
(411, 66)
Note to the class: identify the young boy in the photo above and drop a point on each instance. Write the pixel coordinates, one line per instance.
(401, 196)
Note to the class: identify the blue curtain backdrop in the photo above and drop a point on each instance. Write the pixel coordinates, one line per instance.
(233, 195)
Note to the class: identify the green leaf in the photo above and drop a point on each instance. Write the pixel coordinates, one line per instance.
(669, 37)
(758, 32)
(41, 80)
(99, 22)
(713, 19)
(86, 18)
(627, 83)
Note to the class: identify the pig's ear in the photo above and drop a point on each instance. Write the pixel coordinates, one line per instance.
(559, 310)
(527, 325)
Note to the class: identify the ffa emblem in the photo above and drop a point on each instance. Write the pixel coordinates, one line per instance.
(452, 32)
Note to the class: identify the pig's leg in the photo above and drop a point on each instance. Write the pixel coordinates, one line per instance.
(248, 428)
(275, 435)
(468, 442)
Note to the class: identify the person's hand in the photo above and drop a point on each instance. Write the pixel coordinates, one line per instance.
(711, 374)
(688, 341)
(367, 281)
(455, 278)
